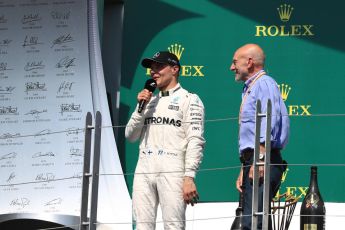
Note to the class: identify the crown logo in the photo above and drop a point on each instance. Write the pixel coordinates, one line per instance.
(284, 91)
(285, 12)
(284, 175)
(177, 50)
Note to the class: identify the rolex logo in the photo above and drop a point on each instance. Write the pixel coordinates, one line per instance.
(284, 175)
(284, 91)
(177, 50)
(285, 30)
(290, 192)
(293, 109)
(186, 70)
(285, 12)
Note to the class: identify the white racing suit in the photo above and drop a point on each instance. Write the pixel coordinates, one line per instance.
(171, 130)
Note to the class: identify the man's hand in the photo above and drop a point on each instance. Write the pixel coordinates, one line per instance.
(261, 168)
(190, 194)
(239, 181)
(261, 173)
(145, 95)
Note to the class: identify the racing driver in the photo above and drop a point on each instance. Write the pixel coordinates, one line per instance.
(170, 129)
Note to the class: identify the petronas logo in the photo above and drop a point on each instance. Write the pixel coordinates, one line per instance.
(176, 49)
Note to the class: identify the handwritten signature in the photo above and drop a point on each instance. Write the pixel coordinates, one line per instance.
(35, 86)
(40, 154)
(21, 202)
(11, 177)
(65, 86)
(55, 201)
(8, 156)
(75, 152)
(8, 135)
(47, 177)
(7, 89)
(62, 39)
(60, 15)
(35, 112)
(65, 62)
(74, 131)
(33, 65)
(30, 18)
(43, 132)
(69, 108)
(31, 41)
(3, 66)
(5, 42)
(9, 110)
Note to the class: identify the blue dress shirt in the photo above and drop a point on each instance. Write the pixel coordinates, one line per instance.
(263, 88)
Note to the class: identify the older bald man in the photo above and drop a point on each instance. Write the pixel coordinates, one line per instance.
(248, 66)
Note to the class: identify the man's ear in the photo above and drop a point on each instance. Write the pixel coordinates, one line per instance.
(176, 68)
(250, 63)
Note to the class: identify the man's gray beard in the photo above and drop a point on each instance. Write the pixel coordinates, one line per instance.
(237, 79)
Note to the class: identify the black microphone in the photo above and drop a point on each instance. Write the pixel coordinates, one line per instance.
(150, 85)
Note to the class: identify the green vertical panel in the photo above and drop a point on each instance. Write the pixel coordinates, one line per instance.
(100, 8)
(303, 52)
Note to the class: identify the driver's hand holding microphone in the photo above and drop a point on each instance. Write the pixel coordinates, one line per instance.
(145, 95)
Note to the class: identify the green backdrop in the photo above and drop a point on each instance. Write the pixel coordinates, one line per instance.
(305, 52)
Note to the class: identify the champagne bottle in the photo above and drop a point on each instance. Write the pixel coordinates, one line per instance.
(313, 209)
(237, 224)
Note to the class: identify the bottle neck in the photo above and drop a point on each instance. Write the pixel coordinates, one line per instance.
(313, 186)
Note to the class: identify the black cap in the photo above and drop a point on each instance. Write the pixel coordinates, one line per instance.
(163, 57)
